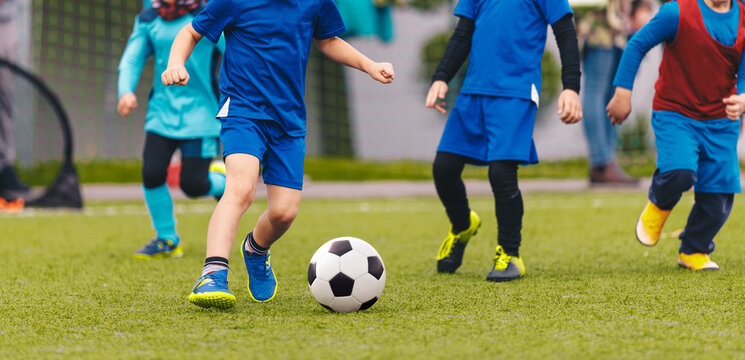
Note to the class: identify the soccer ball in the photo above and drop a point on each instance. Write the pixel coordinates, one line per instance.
(346, 274)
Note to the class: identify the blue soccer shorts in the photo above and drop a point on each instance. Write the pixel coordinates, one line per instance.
(282, 156)
(707, 147)
(488, 128)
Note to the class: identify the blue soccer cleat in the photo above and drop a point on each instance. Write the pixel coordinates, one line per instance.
(158, 249)
(211, 290)
(262, 284)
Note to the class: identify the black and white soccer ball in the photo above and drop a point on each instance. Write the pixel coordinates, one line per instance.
(346, 274)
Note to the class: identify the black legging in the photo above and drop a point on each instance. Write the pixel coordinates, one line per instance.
(447, 169)
(157, 155)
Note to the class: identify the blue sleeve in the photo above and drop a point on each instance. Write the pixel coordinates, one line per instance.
(663, 27)
(553, 10)
(133, 60)
(328, 21)
(466, 8)
(741, 75)
(215, 17)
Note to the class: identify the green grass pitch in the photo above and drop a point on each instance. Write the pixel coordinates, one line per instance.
(71, 290)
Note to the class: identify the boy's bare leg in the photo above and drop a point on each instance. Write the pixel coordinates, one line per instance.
(240, 189)
(282, 208)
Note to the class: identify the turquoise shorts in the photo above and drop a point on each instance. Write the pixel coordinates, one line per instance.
(282, 156)
(707, 147)
(488, 128)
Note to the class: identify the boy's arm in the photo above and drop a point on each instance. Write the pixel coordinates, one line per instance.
(133, 60)
(340, 51)
(663, 27)
(569, 106)
(181, 49)
(736, 103)
(456, 53)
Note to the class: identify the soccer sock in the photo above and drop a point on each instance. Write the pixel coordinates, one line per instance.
(508, 203)
(217, 184)
(253, 247)
(446, 171)
(214, 263)
(160, 206)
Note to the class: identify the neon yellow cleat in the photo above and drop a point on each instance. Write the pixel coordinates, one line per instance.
(159, 249)
(649, 225)
(506, 267)
(450, 254)
(218, 166)
(697, 261)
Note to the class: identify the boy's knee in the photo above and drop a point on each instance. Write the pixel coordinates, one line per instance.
(282, 216)
(194, 188)
(503, 179)
(682, 179)
(152, 177)
(243, 195)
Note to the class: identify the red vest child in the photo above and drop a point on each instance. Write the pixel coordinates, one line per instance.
(697, 72)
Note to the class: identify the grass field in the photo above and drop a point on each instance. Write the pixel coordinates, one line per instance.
(70, 289)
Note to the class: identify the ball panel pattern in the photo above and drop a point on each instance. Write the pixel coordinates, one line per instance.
(311, 273)
(327, 266)
(366, 305)
(341, 285)
(375, 266)
(321, 291)
(345, 304)
(340, 247)
(353, 264)
(365, 288)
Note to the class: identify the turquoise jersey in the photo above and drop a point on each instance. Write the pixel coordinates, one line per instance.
(178, 112)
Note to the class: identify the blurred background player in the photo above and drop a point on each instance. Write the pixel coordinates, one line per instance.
(493, 118)
(12, 189)
(177, 118)
(696, 118)
(604, 33)
(262, 83)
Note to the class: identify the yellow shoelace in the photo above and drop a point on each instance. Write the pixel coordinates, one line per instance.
(501, 259)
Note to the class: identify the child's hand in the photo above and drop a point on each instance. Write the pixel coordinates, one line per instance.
(735, 106)
(382, 72)
(570, 109)
(619, 107)
(175, 74)
(127, 103)
(437, 91)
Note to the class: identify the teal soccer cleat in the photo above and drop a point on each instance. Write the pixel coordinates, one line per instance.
(211, 290)
(159, 249)
(262, 284)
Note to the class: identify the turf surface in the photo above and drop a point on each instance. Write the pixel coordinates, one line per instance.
(71, 290)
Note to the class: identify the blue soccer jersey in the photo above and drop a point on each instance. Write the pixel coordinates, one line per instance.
(507, 45)
(267, 45)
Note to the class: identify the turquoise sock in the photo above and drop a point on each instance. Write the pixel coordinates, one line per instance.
(160, 205)
(217, 184)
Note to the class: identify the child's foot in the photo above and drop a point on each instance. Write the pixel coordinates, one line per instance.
(697, 261)
(159, 249)
(211, 290)
(262, 284)
(649, 225)
(450, 254)
(506, 267)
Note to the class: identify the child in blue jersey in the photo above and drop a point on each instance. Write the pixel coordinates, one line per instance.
(263, 117)
(177, 118)
(696, 118)
(492, 121)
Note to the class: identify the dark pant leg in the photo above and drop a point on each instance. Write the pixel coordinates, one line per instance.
(668, 187)
(446, 170)
(194, 176)
(155, 159)
(508, 203)
(707, 217)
